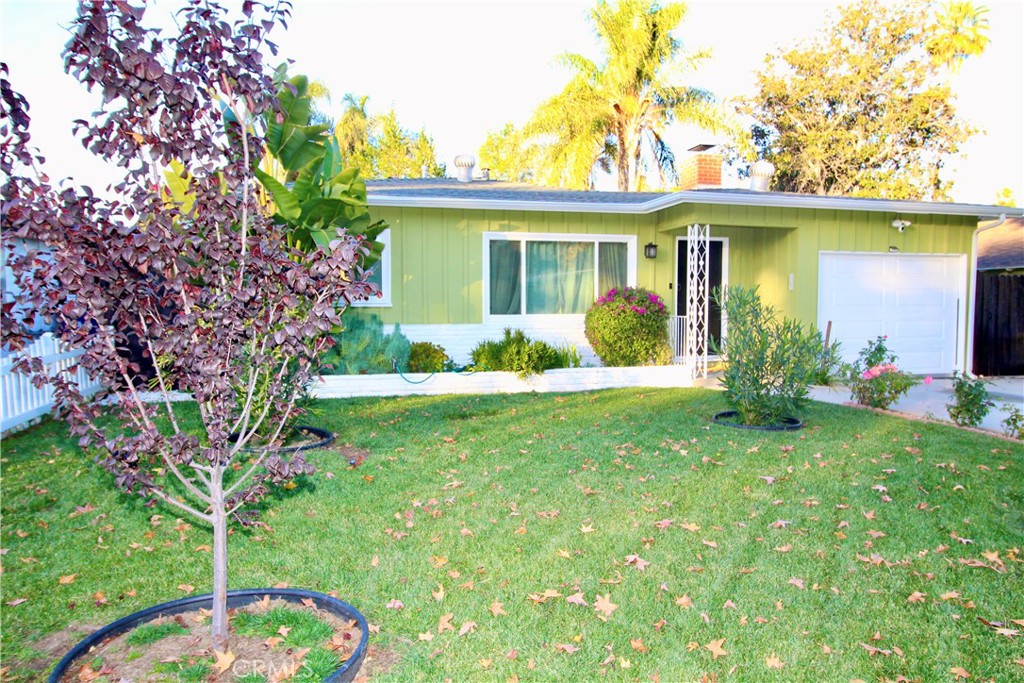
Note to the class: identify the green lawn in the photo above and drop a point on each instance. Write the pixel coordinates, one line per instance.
(801, 550)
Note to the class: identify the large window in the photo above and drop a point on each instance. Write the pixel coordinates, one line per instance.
(546, 274)
(381, 274)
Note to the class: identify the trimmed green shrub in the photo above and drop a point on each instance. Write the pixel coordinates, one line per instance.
(362, 348)
(970, 402)
(769, 361)
(629, 327)
(427, 357)
(515, 352)
(1013, 425)
(569, 356)
(874, 379)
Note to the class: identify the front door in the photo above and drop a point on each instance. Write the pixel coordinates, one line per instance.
(716, 260)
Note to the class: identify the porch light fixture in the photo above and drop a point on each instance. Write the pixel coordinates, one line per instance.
(651, 250)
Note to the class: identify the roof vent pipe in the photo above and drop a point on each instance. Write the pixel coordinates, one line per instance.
(464, 164)
(761, 173)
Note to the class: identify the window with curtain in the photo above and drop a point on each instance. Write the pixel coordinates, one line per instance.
(537, 276)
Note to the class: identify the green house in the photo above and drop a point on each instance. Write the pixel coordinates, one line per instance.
(465, 259)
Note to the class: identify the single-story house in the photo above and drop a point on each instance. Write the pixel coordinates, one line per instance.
(466, 258)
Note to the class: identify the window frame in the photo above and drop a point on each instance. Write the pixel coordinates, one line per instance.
(384, 264)
(631, 267)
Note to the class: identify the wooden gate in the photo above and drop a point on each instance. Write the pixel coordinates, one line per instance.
(999, 324)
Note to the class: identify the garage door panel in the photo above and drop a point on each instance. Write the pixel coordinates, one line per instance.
(911, 298)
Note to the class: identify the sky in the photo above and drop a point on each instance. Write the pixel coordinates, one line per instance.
(462, 69)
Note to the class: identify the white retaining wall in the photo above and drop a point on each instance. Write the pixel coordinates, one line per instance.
(574, 379)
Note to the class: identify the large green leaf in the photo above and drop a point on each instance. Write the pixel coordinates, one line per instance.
(285, 201)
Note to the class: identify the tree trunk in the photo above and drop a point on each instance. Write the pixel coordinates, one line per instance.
(220, 566)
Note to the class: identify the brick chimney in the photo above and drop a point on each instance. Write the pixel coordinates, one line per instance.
(701, 168)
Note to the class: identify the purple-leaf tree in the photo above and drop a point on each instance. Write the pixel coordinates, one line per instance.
(209, 288)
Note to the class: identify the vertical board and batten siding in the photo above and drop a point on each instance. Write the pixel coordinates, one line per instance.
(766, 244)
(438, 265)
(438, 257)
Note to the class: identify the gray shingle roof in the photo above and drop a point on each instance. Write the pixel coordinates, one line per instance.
(498, 195)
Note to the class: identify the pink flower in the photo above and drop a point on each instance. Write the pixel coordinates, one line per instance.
(928, 380)
(867, 375)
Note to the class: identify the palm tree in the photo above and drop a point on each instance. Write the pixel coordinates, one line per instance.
(961, 33)
(614, 115)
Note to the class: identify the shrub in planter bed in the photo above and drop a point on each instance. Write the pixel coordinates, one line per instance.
(362, 348)
(628, 327)
(768, 361)
(515, 352)
(427, 357)
(875, 380)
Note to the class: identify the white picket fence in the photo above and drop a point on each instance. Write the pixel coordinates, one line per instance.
(20, 401)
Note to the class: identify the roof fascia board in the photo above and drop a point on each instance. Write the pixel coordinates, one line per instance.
(690, 197)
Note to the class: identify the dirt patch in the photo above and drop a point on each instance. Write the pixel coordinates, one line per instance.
(56, 645)
(350, 455)
(187, 655)
(379, 661)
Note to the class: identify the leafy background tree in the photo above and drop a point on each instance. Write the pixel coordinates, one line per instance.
(612, 116)
(865, 108)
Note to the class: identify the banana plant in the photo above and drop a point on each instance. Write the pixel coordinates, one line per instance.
(302, 173)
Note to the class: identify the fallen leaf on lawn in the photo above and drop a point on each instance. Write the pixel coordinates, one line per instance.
(65, 580)
(445, 623)
(439, 593)
(223, 661)
(541, 598)
(285, 630)
(917, 596)
(716, 649)
(438, 561)
(710, 544)
(959, 672)
(799, 583)
(729, 604)
(773, 662)
(605, 605)
(427, 636)
(685, 602)
(875, 534)
(784, 548)
(467, 627)
(950, 595)
(692, 645)
(374, 561)
(204, 549)
(16, 602)
(561, 552)
(497, 608)
(636, 561)
(485, 663)
(394, 603)
(567, 648)
(663, 524)
(576, 599)
(185, 587)
(272, 641)
(690, 526)
(586, 528)
(638, 644)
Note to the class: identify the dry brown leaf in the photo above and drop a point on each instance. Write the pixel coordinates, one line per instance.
(439, 593)
(773, 662)
(467, 627)
(445, 623)
(577, 599)
(959, 672)
(685, 602)
(716, 649)
(604, 605)
(917, 596)
(185, 587)
(497, 608)
(223, 660)
(65, 580)
(638, 644)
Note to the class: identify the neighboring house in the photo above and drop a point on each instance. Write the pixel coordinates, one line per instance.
(999, 322)
(466, 259)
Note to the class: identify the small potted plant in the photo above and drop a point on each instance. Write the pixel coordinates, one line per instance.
(208, 282)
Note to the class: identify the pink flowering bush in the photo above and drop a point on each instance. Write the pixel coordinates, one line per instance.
(627, 327)
(875, 380)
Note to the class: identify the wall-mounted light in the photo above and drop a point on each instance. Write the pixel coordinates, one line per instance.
(651, 250)
(901, 224)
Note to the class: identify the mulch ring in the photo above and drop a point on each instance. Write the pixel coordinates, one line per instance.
(186, 652)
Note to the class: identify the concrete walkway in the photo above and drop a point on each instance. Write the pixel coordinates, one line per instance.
(929, 400)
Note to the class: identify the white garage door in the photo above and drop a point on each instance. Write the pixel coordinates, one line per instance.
(917, 300)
